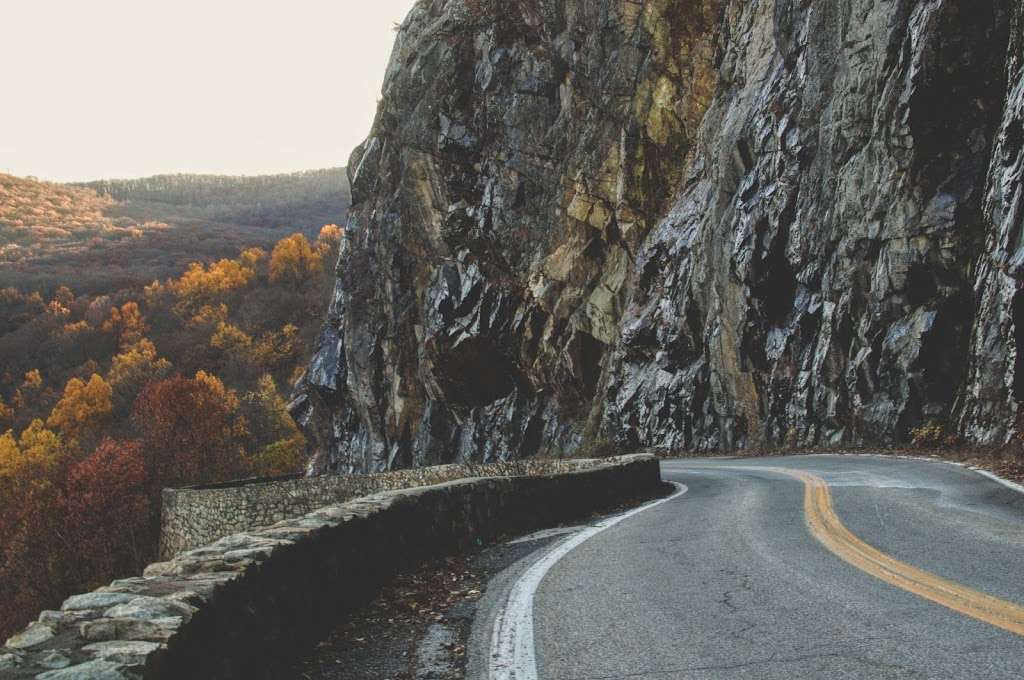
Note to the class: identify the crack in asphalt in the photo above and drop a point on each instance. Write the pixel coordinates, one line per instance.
(727, 600)
(728, 595)
(756, 662)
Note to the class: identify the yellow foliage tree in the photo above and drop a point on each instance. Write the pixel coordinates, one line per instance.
(127, 323)
(231, 339)
(38, 449)
(286, 454)
(64, 297)
(33, 380)
(201, 285)
(10, 454)
(139, 358)
(329, 238)
(83, 408)
(218, 390)
(283, 457)
(251, 257)
(39, 446)
(156, 294)
(294, 261)
(276, 348)
(209, 316)
(132, 368)
(30, 389)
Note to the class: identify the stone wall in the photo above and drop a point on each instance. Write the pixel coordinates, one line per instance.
(243, 606)
(199, 515)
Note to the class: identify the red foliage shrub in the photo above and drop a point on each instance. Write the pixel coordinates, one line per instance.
(106, 503)
(185, 426)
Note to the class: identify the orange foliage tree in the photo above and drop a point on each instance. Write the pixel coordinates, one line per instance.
(294, 262)
(329, 239)
(206, 286)
(82, 410)
(34, 569)
(131, 370)
(126, 323)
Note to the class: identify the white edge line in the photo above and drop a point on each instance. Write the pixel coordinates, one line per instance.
(512, 654)
(1019, 488)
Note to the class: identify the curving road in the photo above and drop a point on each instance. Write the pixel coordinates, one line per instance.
(796, 567)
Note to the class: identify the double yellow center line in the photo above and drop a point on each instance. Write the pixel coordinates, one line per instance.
(826, 527)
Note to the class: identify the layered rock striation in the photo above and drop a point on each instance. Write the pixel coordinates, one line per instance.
(699, 224)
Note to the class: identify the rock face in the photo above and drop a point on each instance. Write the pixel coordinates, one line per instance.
(703, 225)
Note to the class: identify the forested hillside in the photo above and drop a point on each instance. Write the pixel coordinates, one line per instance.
(43, 223)
(304, 200)
(129, 232)
(108, 397)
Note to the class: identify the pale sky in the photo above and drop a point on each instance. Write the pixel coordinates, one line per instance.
(129, 88)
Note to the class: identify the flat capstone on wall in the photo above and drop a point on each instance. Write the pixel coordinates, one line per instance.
(195, 516)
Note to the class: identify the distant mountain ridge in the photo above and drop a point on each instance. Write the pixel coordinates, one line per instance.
(302, 200)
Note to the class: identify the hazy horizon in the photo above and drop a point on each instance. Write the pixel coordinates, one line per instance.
(123, 88)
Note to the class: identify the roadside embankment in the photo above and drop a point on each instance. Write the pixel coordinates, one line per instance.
(242, 605)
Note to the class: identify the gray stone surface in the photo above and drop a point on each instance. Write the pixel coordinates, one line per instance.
(148, 608)
(122, 651)
(54, 659)
(34, 635)
(104, 629)
(95, 600)
(238, 607)
(98, 669)
(704, 225)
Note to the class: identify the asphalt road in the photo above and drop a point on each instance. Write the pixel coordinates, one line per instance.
(749, 574)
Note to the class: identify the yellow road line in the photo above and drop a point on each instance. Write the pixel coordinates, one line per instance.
(826, 527)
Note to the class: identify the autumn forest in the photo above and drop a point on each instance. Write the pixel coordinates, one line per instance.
(115, 387)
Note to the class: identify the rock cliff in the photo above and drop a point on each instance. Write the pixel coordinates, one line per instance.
(698, 224)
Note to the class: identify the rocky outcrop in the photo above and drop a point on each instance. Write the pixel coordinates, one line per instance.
(989, 404)
(699, 225)
(813, 282)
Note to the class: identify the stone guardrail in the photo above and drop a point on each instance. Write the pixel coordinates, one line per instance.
(247, 604)
(198, 515)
